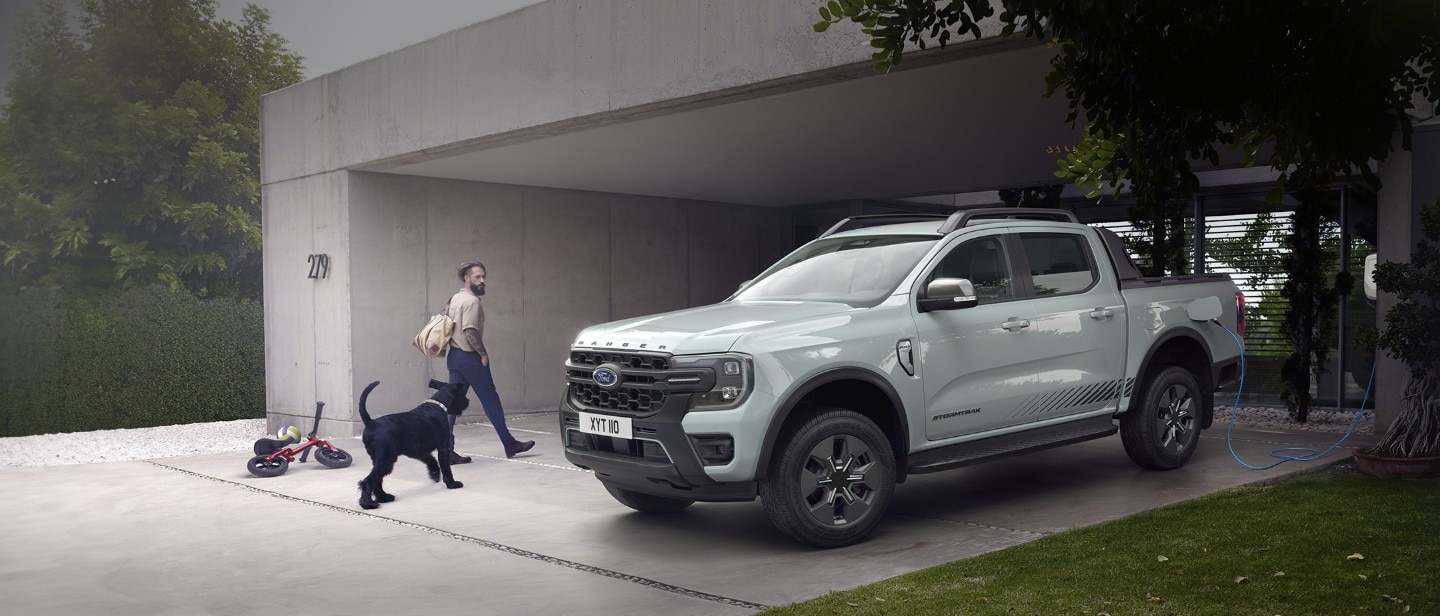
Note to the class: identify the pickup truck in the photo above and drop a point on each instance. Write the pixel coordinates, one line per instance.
(877, 351)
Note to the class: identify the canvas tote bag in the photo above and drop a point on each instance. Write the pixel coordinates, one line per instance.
(434, 339)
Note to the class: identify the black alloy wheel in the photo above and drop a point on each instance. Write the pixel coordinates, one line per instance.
(1163, 427)
(832, 481)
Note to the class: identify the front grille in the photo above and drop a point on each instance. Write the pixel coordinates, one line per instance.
(638, 392)
(643, 361)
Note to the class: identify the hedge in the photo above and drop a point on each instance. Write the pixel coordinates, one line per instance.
(129, 359)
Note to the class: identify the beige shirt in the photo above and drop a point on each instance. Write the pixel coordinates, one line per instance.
(465, 310)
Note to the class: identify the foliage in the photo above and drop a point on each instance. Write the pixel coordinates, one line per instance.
(1259, 251)
(129, 148)
(1162, 84)
(1310, 321)
(1159, 237)
(1159, 85)
(1410, 337)
(1034, 196)
(1311, 545)
(144, 356)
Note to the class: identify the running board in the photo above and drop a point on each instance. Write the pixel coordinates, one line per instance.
(996, 447)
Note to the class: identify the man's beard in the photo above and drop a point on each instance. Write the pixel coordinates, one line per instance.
(478, 289)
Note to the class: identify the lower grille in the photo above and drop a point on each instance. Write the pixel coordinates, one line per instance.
(643, 449)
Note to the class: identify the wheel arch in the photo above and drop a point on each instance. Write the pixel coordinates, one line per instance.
(1186, 348)
(844, 388)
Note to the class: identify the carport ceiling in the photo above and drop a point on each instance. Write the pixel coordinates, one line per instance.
(977, 123)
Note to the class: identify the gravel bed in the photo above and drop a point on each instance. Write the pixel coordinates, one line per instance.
(240, 435)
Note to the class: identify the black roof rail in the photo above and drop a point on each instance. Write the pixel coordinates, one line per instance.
(874, 219)
(961, 218)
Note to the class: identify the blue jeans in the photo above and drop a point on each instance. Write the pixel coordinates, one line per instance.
(465, 367)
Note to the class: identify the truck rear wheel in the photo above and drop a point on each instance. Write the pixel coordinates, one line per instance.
(1162, 429)
(832, 480)
(647, 503)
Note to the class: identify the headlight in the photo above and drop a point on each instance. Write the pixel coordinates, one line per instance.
(732, 380)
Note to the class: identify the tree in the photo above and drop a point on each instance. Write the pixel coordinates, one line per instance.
(129, 148)
(1409, 336)
(1317, 92)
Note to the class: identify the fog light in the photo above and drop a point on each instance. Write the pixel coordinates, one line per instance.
(714, 450)
(653, 451)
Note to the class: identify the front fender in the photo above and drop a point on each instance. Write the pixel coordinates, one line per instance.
(892, 420)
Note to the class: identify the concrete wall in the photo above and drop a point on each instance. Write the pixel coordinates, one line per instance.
(557, 261)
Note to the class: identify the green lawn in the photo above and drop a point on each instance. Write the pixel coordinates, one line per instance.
(1327, 543)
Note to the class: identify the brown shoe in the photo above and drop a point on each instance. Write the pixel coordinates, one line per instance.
(518, 447)
(456, 458)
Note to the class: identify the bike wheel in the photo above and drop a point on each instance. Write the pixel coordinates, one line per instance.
(260, 466)
(333, 458)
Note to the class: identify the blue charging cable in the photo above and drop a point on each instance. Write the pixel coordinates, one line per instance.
(1284, 453)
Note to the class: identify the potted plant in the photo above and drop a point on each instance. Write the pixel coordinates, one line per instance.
(1411, 446)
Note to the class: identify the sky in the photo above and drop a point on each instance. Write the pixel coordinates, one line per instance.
(329, 34)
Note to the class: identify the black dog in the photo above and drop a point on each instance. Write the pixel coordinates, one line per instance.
(415, 433)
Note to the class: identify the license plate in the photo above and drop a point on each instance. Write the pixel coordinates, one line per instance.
(605, 425)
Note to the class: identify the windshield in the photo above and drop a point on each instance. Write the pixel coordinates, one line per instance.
(860, 271)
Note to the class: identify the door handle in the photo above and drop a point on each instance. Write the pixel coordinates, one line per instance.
(1015, 324)
(1101, 313)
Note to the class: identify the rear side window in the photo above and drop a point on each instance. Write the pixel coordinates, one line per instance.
(1059, 263)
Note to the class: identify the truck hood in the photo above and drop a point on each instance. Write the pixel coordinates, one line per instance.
(707, 329)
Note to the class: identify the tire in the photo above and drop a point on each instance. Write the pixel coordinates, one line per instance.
(647, 503)
(261, 467)
(333, 458)
(831, 481)
(1162, 429)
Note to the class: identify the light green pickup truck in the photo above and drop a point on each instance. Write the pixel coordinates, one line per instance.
(877, 352)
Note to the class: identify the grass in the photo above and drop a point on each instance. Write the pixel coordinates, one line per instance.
(1294, 548)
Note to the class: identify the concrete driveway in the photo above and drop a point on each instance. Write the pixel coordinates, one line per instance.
(532, 535)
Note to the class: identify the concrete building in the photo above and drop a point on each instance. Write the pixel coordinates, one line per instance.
(612, 159)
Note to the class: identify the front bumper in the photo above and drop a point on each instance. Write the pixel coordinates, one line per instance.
(661, 460)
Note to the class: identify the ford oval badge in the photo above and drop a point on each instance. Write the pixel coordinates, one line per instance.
(606, 377)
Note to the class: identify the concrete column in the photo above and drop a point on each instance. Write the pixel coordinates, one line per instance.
(307, 320)
(1409, 180)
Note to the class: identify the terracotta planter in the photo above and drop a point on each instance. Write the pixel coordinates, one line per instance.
(1397, 468)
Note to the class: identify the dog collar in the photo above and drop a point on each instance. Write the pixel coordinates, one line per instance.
(442, 407)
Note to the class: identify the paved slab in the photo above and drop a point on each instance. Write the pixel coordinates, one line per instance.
(530, 535)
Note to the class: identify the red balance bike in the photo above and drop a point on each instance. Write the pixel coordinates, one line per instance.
(273, 457)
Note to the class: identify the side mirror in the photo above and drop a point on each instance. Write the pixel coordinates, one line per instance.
(1370, 292)
(948, 294)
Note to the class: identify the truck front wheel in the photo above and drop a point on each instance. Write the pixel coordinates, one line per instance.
(1163, 427)
(832, 480)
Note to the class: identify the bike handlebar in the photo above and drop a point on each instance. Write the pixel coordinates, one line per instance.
(316, 427)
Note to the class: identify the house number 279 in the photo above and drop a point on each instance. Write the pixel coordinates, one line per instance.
(319, 266)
